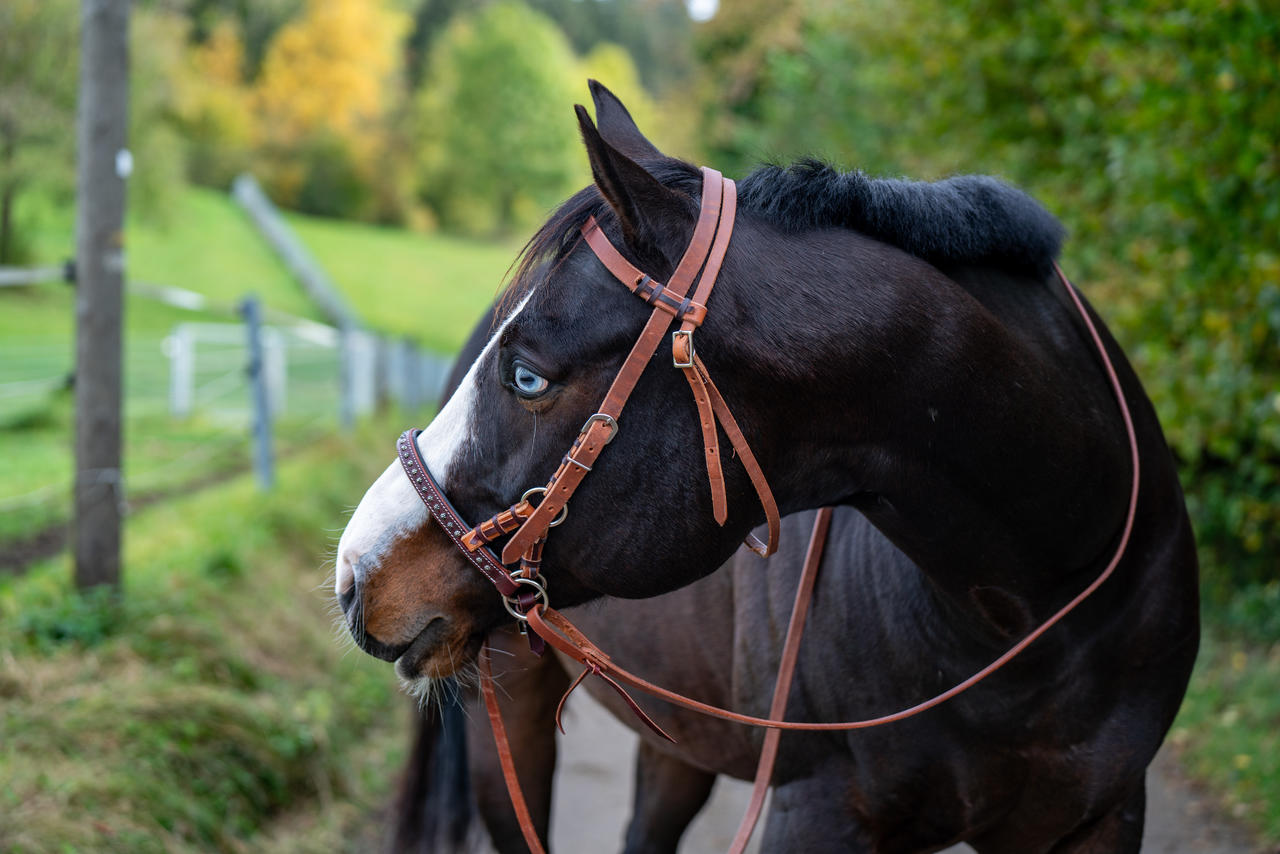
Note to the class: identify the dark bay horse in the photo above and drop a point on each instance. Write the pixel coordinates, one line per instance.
(889, 347)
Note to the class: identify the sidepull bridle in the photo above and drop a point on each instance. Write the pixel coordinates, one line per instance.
(524, 590)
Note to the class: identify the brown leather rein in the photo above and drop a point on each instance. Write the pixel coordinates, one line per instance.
(524, 589)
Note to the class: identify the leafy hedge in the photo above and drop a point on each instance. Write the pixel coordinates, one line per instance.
(1148, 127)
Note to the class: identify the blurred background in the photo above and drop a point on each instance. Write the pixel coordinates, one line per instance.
(368, 170)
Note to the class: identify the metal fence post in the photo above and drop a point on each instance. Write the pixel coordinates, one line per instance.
(262, 462)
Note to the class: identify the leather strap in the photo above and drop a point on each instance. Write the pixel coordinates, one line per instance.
(641, 284)
(748, 459)
(769, 753)
(503, 523)
(446, 516)
(592, 440)
(706, 252)
(782, 687)
(505, 759)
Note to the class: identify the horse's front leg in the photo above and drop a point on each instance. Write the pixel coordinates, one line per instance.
(528, 690)
(669, 793)
(1117, 832)
(810, 816)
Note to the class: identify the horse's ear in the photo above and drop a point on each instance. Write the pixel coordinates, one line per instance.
(643, 204)
(617, 127)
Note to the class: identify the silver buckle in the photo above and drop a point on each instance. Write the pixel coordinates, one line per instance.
(608, 420)
(688, 336)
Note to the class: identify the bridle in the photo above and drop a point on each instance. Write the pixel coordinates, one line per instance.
(529, 525)
(524, 590)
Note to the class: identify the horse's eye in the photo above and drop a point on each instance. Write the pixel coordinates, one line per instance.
(527, 383)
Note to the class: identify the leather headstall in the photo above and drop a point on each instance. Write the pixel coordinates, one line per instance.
(672, 302)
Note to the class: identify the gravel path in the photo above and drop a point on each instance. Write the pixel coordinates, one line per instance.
(593, 794)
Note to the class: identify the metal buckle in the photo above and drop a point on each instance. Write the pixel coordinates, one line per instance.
(510, 602)
(607, 419)
(687, 334)
(564, 511)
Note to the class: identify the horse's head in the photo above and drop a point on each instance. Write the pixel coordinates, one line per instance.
(641, 523)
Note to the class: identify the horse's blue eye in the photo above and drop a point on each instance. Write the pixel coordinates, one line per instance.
(528, 383)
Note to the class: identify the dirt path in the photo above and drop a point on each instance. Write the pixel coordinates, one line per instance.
(594, 790)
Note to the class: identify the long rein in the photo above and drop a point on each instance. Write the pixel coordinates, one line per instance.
(524, 590)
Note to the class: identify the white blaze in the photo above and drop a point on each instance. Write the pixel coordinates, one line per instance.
(391, 507)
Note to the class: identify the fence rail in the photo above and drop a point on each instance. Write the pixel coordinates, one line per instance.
(11, 277)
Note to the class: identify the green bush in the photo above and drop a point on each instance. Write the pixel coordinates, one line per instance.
(332, 184)
(1148, 127)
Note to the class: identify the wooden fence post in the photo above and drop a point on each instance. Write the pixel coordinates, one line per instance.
(181, 350)
(102, 164)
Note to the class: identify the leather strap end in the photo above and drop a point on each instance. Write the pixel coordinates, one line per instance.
(560, 706)
(537, 645)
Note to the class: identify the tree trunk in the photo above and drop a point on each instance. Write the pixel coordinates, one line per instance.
(9, 134)
(6, 223)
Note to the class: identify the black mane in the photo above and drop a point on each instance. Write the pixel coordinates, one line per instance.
(967, 220)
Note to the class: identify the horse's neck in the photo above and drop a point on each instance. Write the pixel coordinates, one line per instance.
(978, 437)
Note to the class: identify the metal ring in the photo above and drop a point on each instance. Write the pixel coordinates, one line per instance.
(564, 511)
(510, 603)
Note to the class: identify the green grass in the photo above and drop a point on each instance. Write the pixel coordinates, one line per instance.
(211, 699)
(208, 246)
(1228, 730)
(210, 707)
(431, 287)
(426, 286)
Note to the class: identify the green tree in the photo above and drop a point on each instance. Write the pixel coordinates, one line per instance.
(499, 143)
(329, 85)
(1148, 127)
(37, 109)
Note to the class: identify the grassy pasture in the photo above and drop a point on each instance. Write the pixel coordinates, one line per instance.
(431, 287)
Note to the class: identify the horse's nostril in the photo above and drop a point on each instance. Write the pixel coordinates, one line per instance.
(345, 576)
(347, 597)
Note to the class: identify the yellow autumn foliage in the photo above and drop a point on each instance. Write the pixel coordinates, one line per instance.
(214, 107)
(331, 70)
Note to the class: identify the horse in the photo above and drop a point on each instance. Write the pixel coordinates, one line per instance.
(891, 347)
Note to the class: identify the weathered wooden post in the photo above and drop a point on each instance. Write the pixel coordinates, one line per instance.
(102, 164)
(262, 462)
